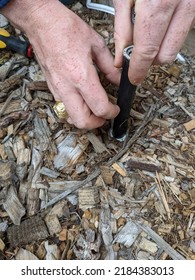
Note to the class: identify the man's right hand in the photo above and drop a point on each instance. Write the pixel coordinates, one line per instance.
(158, 34)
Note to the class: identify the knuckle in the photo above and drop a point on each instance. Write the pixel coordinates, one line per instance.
(82, 124)
(165, 58)
(165, 5)
(101, 111)
(148, 53)
(99, 41)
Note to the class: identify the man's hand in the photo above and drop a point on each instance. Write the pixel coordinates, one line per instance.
(160, 29)
(68, 50)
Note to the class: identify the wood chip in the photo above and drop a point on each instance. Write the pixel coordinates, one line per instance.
(106, 174)
(58, 170)
(38, 85)
(128, 234)
(190, 125)
(10, 83)
(88, 197)
(33, 202)
(23, 254)
(162, 195)
(2, 245)
(98, 146)
(7, 170)
(161, 243)
(52, 251)
(148, 246)
(143, 165)
(120, 169)
(3, 226)
(53, 224)
(32, 229)
(63, 235)
(174, 70)
(41, 251)
(69, 151)
(49, 173)
(13, 206)
(192, 194)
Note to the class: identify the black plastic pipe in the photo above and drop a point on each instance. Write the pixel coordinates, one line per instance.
(126, 94)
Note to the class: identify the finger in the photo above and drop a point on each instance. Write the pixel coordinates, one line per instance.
(123, 33)
(176, 33)
(79, 113)
(85, 99)
(95, 96)
(151, 23)
(105, 62)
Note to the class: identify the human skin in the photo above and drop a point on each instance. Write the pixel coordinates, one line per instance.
(68, 52)
(159, 31)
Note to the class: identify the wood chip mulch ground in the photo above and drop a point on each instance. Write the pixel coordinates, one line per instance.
(72, 194)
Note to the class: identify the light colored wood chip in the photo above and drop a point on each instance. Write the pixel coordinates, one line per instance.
(128, 234)
(120, 169)
(98, 146)
(106, 174)
(162, 195)
(23, 254)
(53, 224)
(2, 245)
(88, 197)
(52, 251)
(190, 125)
(63, 235)
(192, 194)
(148, 246)
(70, 150)
(13, 206)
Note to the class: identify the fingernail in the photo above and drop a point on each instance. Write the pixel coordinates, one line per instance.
(135, 83)
(117, 109)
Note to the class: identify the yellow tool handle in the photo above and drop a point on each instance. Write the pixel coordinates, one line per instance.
(12, 43)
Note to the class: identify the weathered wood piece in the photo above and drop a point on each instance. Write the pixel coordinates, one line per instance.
(32, 229)
(13, 206)
(69, 151)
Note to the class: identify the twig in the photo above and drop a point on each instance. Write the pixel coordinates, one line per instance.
(185, 110)
(11, 118)
(64, 253)
(10, 83)
(3, 108)
(162, 195)
(67, 192)
(148, 118)
(160, 242)
(156, 121)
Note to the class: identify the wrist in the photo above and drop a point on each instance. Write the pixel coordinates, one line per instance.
(25, 13)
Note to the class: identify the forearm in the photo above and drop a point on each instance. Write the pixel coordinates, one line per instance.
(40, 17)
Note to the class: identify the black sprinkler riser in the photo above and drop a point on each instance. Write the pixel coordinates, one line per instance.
(126, 94)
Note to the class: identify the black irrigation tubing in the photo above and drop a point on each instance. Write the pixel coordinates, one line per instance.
(126, 94)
